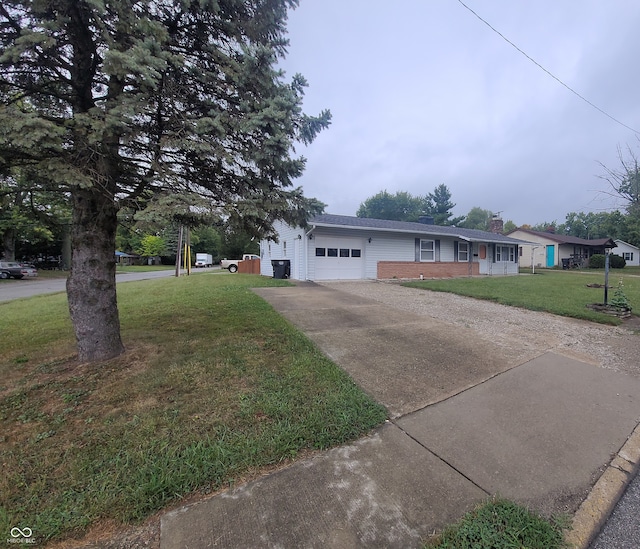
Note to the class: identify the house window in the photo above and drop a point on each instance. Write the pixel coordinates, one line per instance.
(505, 253)
(321, 252)
(356, 253)
(463, 251)
(344, 252)
(284, 248)
(332, 252)
(628, 256)
(427, 250)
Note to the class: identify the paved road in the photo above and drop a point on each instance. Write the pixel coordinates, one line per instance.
(15, 289)
(622, 530)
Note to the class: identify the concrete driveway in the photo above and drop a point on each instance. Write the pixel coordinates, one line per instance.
(467, 422)
(403, 360)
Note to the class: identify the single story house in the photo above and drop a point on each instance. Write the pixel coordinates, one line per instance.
(545, 249)
(339, 247)
(123, 258)
(629, 252)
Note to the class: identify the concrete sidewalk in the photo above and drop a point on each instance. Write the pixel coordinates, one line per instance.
(466, 424)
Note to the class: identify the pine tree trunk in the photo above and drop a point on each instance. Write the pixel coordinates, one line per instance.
(91, 286)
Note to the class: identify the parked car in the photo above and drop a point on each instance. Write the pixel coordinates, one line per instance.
(29, 270)
(13, 269)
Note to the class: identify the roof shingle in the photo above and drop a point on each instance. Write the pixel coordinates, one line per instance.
(472, 235)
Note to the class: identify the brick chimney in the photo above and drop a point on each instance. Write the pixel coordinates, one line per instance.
(496, 224)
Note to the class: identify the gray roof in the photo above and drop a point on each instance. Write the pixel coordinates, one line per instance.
(566, 239)
(385, 225)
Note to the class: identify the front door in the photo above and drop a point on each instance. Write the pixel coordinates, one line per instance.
(551, 255)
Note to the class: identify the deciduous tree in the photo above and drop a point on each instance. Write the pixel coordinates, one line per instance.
(477, 218)
(152, 246)
(624, 182)
(400, 206)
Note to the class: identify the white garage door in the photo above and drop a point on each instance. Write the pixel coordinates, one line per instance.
(338, 258)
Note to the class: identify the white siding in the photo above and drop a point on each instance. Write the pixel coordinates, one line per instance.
(390, 247)
(289, 246)
(375, 246)
(447, 250)
(623, 247)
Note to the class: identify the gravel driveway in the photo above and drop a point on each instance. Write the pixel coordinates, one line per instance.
(525, 333)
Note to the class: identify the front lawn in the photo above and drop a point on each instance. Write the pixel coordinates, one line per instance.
(214, 387)
(565, 293)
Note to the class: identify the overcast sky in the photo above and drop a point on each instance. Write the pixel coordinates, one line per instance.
(422, 93)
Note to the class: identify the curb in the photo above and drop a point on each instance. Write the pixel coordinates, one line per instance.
(599, 504)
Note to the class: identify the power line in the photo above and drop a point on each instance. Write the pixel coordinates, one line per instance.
(545, 70)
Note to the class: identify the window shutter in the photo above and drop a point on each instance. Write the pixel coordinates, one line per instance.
(455, 250)
(437, 251)
(493, 252)
(417, 249)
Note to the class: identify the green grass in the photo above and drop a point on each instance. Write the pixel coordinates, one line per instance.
(215, 387)
(500, 524)
(562, 293)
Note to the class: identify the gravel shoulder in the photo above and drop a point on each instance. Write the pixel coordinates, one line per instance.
(526, 334)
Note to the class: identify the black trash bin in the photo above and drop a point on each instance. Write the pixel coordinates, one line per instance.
(281, 268)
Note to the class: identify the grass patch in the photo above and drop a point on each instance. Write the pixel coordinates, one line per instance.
(214, 386)
(500, 524)
(564, 293)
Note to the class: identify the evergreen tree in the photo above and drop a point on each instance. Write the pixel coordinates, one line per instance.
(403, 206)
(112, 101)
(441, 206)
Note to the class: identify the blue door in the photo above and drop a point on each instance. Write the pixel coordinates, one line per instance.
(551, 255)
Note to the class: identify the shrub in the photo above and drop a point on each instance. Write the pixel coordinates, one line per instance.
(619, 298)
(616, 261)
(596, 261)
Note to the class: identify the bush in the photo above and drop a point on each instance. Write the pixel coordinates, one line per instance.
(596, 261)
(616, 261)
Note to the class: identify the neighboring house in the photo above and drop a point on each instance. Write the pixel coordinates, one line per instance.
(629, 252)
(335, 247)
(123, 258)
(545, 249)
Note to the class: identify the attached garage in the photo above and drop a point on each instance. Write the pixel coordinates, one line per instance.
(338, 247)
(338, 258)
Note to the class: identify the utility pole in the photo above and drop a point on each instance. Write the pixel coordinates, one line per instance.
(179, 251)
(606, 276)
